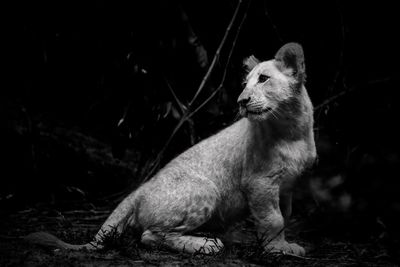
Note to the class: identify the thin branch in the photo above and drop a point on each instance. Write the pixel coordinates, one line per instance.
(157, 160)
(351, 89)
(193, 40)
(221, 84)
(272, 22)
(185, 115)
(330, 100)
(217, 54)
(342, 46)
(181, 106)
(314, 259)
(341, 57)
(125, 115)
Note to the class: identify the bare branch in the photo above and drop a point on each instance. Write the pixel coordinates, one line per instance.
(351, 89)
(185, 115)
(216, 56)
(342, 46)
(340, 62)
(193, 40)
(181, 106)
(272, 22)
(221, 84)
(157, 160)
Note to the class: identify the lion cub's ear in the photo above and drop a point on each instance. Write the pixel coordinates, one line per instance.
(250, 62)
(290, 57)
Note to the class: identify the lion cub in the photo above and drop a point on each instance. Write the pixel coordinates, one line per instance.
(246, 168)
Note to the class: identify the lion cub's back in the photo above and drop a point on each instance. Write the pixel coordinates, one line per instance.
(216, 156)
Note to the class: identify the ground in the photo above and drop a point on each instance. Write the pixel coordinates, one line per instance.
(73, 203)
(79, 226)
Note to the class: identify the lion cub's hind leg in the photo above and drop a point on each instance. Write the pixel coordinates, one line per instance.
(173, 235)
(184, 214)
(183, 243)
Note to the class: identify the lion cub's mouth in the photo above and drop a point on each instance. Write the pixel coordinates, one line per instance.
(258, 112)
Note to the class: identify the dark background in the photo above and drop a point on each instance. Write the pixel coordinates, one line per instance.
(76, 68)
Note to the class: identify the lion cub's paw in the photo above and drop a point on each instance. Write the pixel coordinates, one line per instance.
(285, 247)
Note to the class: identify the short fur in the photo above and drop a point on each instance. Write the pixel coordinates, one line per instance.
(248, 167)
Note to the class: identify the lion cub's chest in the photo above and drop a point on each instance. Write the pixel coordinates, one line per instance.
(289, 156)
(293, 156)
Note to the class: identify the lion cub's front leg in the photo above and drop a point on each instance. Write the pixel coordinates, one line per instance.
(263, 197)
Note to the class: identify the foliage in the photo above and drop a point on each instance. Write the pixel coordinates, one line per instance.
(112, 91)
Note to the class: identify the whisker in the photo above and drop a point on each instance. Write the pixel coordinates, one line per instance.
(278, 112)
(256, 105)
(237, 116)
(273, 114)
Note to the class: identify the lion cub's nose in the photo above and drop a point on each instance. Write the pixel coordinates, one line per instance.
(243, 101)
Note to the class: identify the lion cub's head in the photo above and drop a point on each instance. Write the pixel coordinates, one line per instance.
(272, 86)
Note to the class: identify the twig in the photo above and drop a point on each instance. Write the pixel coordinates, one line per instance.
(181, 106)
(193, 40)
(159, 155)
(73, 212)
(221, 84)
(341, 58)
(342, 47)
(312, 259)
(329, 100)
(94, 218)
(351, 89)
(217, 54)
(272, 22)
(298, 257)
(86, 225)
(186, 115)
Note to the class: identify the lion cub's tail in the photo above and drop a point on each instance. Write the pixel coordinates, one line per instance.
(49, 240)
(121, 217)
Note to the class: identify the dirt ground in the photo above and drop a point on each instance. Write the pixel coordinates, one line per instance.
(79, 226)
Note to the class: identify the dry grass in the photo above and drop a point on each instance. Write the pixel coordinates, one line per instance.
(126, 250)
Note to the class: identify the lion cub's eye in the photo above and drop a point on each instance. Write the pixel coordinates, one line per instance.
(263, 78)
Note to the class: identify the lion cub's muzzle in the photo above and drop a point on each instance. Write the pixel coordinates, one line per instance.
(247, 106)
(243, 101)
